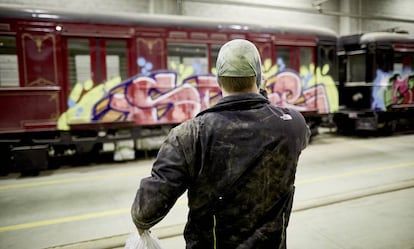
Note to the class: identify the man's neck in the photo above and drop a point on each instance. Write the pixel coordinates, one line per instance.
(254, 89)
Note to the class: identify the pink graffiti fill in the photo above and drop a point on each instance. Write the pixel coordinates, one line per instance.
(401, 93)
(157, 98)
(208, 89)
(286, 90)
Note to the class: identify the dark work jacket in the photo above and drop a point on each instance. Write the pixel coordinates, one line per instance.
(238, 162)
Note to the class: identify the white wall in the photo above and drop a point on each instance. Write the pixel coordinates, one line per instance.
(342, 16)
(402, 10)
(298, 12)
(85, 5)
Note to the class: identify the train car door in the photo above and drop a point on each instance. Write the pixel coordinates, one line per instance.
(94, 67)
(30, 93)
(294, 82)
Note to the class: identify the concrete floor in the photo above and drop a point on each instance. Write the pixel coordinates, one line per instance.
(351, 193)
(373, 222)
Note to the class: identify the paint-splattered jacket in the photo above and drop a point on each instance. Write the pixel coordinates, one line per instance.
(238, 161)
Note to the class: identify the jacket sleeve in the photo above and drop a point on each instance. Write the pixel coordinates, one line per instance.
(169, 179)
(301, 129)
(306, 136)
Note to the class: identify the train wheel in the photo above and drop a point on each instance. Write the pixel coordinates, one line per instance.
(389, 128)
(30, 160)
(5, 159)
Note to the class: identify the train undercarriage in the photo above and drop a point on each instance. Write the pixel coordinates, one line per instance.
(30, 152)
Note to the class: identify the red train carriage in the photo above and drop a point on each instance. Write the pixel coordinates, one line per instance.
(85, 84)
(376, 82)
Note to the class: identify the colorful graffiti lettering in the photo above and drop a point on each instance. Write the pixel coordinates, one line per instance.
(160, 97)
(81, 100)
(391, 89)
(312, 89)
(157, 98)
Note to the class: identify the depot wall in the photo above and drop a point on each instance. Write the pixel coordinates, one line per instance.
(342, 16)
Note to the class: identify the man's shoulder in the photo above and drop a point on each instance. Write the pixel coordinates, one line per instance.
(186, 125)
(286, 112)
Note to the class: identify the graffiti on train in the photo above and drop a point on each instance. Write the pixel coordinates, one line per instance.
(81, 100)
(310, 89)
(157, 98)
(160, 97)
(393, 89)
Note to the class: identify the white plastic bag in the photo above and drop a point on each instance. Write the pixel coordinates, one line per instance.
(145, 241)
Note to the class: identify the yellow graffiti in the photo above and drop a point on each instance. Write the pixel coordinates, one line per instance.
(269, 69)
(322, 77)
(88, 85)
(76, 92)
(183, 71)
(85, 96)
(213, 70)
(319, 76)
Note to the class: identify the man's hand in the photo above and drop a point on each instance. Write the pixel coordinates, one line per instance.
(140, 231)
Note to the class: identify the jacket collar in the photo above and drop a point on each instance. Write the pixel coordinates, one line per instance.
(243, 101)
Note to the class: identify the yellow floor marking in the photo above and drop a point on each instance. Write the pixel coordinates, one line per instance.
(70, 180)
(180, 201)
(63, 220)
(354, 173)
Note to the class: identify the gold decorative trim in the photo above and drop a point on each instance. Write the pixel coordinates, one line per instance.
(41, 82)
(39, 43)
(53, 99)
(150, 43)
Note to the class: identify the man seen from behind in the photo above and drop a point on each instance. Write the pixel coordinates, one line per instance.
(237, 160)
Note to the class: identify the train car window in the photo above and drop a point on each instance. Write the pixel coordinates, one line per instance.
(403, 61)
(384, 59)
(214, 54)
(306, 56)
(9, 73)
(410, 60)
(398, 62)
(294, 57)
(342, 67)
(185, 57)
(116, 59)
(356, 67)
(283, 57)
(79, 61)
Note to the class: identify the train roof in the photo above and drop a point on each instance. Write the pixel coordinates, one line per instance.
(354, 42)
(130, 18)
(386, 37)
(377, 37)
